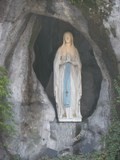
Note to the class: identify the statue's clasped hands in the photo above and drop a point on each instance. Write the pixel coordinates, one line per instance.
(68, 59)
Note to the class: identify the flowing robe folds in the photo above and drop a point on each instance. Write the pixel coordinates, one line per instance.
(67, 84)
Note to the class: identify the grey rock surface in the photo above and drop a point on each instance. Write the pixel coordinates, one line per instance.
(34, 114)
(112, 24)
(44, 57)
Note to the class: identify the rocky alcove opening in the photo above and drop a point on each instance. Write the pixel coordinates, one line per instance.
(31, 32)
(47, 42)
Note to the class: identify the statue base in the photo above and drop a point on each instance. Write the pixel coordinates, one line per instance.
(69, 119)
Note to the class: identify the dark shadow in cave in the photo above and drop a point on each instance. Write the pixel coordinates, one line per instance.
(45, 47)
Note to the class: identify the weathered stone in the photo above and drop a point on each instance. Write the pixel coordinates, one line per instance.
(97, 125)
(112, 24)
(34, 114)
(3, 154)
(48, 152)
(44, 57)
(63, 134)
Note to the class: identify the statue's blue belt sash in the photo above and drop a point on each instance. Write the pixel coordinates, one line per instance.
(67, 86)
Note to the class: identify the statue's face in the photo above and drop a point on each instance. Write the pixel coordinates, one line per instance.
(68, 38)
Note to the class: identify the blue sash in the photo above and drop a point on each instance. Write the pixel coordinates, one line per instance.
(67, 86)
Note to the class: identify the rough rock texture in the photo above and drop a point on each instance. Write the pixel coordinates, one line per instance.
(44, 57)
(112, 25)
(3, 154)
(34, 113)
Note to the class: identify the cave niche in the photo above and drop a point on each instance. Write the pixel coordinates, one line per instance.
(45, 47)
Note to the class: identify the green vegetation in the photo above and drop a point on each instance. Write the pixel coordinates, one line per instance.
(112, 149)
(117, 89)
(89, 3)
(112, 139)
(6, 117)
(99, 8)
(5, 106)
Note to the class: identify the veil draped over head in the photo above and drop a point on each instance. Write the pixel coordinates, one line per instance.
(71, 36)
(64, 49)
(67, 81)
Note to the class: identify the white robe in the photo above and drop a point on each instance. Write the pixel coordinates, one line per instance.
(71, 113)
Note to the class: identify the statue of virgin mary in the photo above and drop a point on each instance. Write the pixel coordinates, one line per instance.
(67, 81)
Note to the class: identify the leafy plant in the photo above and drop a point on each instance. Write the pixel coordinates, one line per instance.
(117, 89)
(5, 107)
(112, 139)
(99, 8)
(87, 2)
